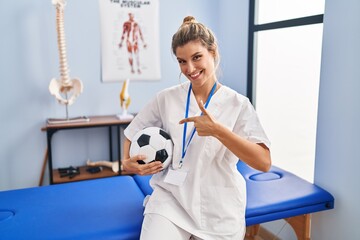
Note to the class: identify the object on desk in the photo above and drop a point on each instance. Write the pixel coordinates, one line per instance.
(70, 172)
(64, 89)
(67, 120)
(125, 101)
(93, 170)
(113, 165)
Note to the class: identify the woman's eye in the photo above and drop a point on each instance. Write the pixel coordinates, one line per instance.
(197, 57)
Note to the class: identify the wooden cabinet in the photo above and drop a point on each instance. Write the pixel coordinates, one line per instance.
(110, 122)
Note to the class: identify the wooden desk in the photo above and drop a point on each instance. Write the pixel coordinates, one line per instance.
(94, 121)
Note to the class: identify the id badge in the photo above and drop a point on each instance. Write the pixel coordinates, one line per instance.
(175, 177)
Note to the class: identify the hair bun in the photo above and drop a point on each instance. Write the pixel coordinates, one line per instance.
(189, 19)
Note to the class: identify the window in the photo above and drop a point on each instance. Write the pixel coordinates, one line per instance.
(285, 39)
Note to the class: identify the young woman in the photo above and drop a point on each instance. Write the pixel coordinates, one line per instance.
(201, 195)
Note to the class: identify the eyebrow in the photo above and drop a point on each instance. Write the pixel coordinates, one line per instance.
(197, 53)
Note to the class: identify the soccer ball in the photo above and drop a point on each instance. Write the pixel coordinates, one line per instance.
(154, 143)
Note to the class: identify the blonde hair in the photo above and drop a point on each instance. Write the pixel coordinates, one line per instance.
(191, 30)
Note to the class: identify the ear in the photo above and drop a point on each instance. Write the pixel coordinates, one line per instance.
(214, 51)
(215, 55)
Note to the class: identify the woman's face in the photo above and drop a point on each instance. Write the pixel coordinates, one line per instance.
(196, 63)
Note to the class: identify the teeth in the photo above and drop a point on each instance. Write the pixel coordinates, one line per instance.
(195, 75)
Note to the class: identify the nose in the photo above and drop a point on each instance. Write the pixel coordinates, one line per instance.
(190, 68)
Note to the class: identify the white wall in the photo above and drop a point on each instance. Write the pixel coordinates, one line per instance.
(337, 160)
(233, 38)
(29, 60)
(337, 151)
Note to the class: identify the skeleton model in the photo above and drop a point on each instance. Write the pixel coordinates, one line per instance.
(64, 89)
(125, 101)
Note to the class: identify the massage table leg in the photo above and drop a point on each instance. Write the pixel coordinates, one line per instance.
(300, 224)
(252, 232)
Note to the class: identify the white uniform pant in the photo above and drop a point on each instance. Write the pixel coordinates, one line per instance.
(158, 227)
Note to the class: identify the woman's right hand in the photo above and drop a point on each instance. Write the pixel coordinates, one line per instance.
(131, 166)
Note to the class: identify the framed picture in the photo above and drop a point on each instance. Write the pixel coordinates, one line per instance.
(129, 40)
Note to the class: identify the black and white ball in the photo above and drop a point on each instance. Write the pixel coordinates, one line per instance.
(154, 143)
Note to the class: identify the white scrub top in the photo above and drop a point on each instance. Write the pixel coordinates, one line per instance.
(211, 201)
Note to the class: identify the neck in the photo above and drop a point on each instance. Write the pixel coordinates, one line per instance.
(202, 92)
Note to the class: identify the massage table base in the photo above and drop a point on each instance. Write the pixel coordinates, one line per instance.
(300, 224)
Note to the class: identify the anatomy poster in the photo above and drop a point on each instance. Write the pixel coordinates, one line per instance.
(129, 40)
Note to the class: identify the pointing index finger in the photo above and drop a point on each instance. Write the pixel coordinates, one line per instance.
(189, 119)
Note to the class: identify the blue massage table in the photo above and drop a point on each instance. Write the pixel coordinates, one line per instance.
(101, 209)
(279, 194)
(111, 208)
(275, 195)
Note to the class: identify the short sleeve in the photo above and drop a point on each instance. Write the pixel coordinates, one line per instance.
(248, 125)
(148, 116)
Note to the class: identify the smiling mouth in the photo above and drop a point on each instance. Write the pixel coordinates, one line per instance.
(195, 75)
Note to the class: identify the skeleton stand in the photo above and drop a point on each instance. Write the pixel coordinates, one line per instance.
(64, 85)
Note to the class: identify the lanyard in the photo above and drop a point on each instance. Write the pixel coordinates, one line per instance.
(184, 145)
